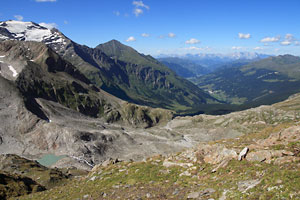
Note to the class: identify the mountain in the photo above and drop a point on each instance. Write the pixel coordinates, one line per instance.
(262, 82)
(116, 69)
(184, 67)
(151, 79)
(49, 107)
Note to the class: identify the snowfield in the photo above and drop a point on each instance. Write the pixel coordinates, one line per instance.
(29, 31)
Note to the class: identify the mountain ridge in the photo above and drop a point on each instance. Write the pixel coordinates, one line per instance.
(135, 78)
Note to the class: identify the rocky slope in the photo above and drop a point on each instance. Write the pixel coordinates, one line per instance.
(48, 106)
(263, 164)
(209, 168)
(60, 114)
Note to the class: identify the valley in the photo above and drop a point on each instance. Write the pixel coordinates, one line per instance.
(112, 123)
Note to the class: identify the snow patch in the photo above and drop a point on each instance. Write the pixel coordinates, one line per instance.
(3, 37)
(12, 69)
(2, 56)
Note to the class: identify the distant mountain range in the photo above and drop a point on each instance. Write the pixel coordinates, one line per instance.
(262, 82)
(217, 56)
(184, 67)
(197, 63)
(116, 68)
(247, 79)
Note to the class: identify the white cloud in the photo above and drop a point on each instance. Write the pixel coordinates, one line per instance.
(270, 39)
(131, 39)
(244, 35)
(145, 35)
(171, 35)
(297, 43)
(140, 4)
(48, 25)
(138, 7)
(138, 11)
(45, 0)
(236, 48)
(289, 39)
(258, 48)
(161, 36)
(66, 22)
(192, 41)
(285, 43)
(117, 13)
(193, 48)
(19, 17)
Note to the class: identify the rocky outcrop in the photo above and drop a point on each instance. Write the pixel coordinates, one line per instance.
(261, 151)
(215, 154)
(12, 185)
(291, 134)
(44, 176)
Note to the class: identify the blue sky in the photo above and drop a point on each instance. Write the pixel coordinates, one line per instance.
(170, 26)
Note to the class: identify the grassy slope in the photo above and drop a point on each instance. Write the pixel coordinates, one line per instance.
(133, 180)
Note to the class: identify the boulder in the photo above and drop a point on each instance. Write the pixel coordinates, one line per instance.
(268, 155)
(215, 154)
(243, 153)
(204, 194)
(281, 153)
(193, 195)
(185, 173)
(259, 156)
(286, 159)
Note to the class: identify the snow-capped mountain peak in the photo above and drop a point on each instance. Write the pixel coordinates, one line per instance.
(29, 31)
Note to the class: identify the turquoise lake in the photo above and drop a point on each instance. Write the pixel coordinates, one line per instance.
(49, 159)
